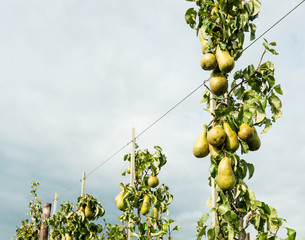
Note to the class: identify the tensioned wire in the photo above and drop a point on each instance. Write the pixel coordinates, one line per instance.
(175, 106)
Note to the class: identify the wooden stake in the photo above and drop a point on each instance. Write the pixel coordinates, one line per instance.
(132, 169)
(132, 160)
(213, 188)
(55, 203)
(83, 184)
(44, 228)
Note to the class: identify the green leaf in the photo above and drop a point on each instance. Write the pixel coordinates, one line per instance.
(278, 89)
(251, 169)
(190, 17)
(211, 234)
(276, 106)
(268, 125)
(291, 234)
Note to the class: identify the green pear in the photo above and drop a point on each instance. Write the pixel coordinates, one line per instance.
(216, 136)
(214, 151)
(154, 213)
(88, 212)
(201, 145)
(224, 60)
(218, 83)
(232, 143)
(208, 61)
(245, 132)
(153, 181)
(255, 142)
(203, 40)
(119, 201)
(226, 178)
(146, 205)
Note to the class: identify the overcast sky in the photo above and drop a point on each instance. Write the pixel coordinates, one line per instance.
(76, 76)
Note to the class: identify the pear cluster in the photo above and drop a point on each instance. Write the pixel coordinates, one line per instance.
(220, 63)
(221, 139)
(120, 202)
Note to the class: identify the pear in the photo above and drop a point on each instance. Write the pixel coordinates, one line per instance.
(218, 83)
(255, 142)
(153, 181)
(226, 178)
(89, 212)
(154, 213)
(201, 145)
(224, 60)
(208, 61)
(214, 151)
(232, 143)
(146, 205)
(216, 136)
(119, 201)
(203, 41)
(245, 132)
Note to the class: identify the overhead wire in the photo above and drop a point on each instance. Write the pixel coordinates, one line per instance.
(176, 105)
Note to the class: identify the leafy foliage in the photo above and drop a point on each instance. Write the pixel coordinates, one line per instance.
(154, 224)
(76, 221)
(253, 99)
(30, 226)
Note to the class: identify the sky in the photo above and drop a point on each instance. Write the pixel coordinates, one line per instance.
(77, 76)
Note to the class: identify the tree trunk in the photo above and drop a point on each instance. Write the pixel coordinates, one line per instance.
(44, 228)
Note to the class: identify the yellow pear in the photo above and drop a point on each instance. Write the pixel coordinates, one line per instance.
(245, 132)
(224, 60)
(146, 205)
(208, 61)
(226, 178)
(119, 201)
(216, 136)
(201, 145)
(203, 41)
(154, 213)
(153, 181)
(128, 170)
(232, 143)
(214, 151)
(255, 143)
(218, 83)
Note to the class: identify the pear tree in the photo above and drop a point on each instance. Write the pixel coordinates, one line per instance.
(144, 204)
(239, 102)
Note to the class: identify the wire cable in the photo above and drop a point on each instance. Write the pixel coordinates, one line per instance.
(176, 105)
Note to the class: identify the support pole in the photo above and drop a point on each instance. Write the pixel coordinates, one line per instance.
(55, 203)
(213, 188)
(83, 184)
(132, 160)
(44, 228)
(132, 169)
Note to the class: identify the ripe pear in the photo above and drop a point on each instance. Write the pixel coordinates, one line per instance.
(224, 60)
(201, 145)
(255, 142)
(226, 178)
(128, 170)
(214, 151)
(88, 212)
(232, 143)
(153, 181)
(203, 41)
(119, 201)
(154, 213)
(216, 136)
(146, 205)
(218, 83)
(245, 132)
(208, 61)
